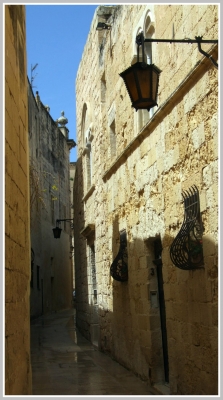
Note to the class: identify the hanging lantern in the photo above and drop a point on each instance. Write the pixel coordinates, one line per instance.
(141, 81)
(57, 232)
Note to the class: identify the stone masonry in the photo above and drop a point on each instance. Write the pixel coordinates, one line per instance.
(52, 266)
(131, 171)
(17, 220)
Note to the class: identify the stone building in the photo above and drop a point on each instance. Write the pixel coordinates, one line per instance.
(136, 173)
(72, 196)
(18, 376)
(51, 263)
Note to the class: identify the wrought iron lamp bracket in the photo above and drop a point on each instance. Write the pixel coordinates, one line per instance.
(199, 41)
(58, 221)
(140, 40)
(119, 267)
(186, 251)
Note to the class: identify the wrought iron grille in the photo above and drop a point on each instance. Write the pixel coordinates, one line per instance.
(186, 251)
(119, 267)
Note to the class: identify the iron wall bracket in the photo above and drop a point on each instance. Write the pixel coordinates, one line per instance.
(140, 40)
(58, 221)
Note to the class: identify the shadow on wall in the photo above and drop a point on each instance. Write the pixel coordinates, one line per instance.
(162, 323)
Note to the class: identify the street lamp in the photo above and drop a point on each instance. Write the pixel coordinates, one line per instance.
(142, 79)
(57, 230)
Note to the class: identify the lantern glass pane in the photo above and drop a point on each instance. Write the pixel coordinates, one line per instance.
(155, 84)
(57, 232)
(144, 82)
(141, 81)
(131, 86)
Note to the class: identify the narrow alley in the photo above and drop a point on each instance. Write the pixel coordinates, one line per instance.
(65, 363)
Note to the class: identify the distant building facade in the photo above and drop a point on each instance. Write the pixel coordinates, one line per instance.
(132, 172)
(18, 376)
(51, 265)
(72, 197)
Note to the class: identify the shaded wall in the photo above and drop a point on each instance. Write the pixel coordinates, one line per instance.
(72, 197)
(52, 269)
(17, 218)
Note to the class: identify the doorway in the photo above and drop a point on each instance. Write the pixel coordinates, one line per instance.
(42, 296)
(159, 266)
(94, 323)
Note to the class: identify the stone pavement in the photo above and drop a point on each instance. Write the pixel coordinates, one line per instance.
(65, 363)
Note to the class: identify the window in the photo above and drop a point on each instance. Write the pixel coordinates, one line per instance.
(83, 122)
(147, 25)
(87, 137)
(113, 139)
(31, 280)
(88, 164)
(38, 277)
(32, 266)
(149, 31)
(52, 210)
(103, 89)
(93, 273)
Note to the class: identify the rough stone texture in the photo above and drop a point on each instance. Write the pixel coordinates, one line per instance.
(52, 267)
(139, 189)
(17, 221)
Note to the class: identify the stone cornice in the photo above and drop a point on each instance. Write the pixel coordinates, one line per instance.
(194, 75)
(71, 143)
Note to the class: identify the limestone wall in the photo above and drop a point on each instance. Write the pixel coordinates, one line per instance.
(52, 269)
(17, 219)
(138, 187)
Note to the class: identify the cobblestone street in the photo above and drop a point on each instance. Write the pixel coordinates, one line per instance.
(65, 363)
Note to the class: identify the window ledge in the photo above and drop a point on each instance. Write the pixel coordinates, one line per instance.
(85, 151)
(88, 230)
(89, 193)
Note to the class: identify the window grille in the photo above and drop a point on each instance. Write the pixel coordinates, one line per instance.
(186, 251)
(119, 267)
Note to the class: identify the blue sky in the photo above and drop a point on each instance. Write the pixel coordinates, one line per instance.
(56, 36)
